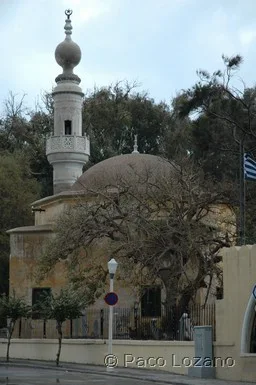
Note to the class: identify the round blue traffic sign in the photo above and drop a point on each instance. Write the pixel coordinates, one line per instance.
(111, 298)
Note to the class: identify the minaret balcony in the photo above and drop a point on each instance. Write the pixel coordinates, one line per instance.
(68, 143)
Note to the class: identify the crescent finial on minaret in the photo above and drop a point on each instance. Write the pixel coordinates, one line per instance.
(68, 26)
(68, 12)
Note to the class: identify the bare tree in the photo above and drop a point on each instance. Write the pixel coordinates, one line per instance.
(14, 125)
(170, 228)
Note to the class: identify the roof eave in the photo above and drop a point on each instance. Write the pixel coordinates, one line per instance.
(31, 229)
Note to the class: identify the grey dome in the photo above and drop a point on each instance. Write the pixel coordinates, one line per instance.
(123, 169)
(68, 55)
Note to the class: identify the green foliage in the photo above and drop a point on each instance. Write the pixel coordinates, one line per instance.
(223, 115)
(12, 308)
(26, 132)
(25, 174)
(68, 304)
(232, 63)
(215, 149)
(17, 190)
(113, 115)
(40, 125)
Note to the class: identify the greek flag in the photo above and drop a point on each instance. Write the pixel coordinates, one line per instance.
(249, 168)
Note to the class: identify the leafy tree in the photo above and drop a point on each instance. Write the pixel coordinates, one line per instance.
(66, 305)
(12, 308)
(177, 139)
(223, 114)
(25, 174)
(17, 190)
(40, 125)
(224, 126)
(113, 115)
(26, 131)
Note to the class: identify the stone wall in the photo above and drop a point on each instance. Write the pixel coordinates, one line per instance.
(26, 247)
(239, 277)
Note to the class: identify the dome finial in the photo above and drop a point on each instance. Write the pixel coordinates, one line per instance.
(135, 146)
(68, 12)
(68, 53)
(68, 26)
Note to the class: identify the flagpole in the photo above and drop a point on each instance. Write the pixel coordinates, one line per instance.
(242, 196)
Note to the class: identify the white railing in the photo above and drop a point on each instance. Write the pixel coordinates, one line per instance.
(68, 143)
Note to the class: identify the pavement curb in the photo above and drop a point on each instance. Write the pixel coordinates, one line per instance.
(91, 371)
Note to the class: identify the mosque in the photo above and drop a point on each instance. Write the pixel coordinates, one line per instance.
(68, 150)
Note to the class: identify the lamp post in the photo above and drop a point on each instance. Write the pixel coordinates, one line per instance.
(112, 265)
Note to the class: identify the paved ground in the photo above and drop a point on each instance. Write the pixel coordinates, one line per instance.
(25, 376)
(27, 372)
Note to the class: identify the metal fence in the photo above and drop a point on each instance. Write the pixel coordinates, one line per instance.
(173, 324)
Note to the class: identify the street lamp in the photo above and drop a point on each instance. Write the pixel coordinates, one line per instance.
(112, 266)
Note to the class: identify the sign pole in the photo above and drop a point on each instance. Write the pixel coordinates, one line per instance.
(110, 322)
(111, 299)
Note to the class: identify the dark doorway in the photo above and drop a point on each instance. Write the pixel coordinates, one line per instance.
(68, 127)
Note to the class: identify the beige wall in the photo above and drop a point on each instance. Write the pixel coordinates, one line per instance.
(26, 249)
(52, 211)
(239, 277)
(53, 207)
(172, 356)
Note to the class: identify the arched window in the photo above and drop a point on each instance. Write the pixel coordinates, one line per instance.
(68, 127)
(248, 335)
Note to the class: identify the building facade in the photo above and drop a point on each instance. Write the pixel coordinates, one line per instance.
(68, 150)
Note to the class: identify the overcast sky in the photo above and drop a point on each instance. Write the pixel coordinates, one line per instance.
(160, 43)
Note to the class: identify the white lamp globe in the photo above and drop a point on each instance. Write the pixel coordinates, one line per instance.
(112, 266)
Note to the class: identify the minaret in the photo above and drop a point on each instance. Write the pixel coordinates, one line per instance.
(67, 150)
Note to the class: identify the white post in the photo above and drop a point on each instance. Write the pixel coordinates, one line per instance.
(110, 325)
(112, 265)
